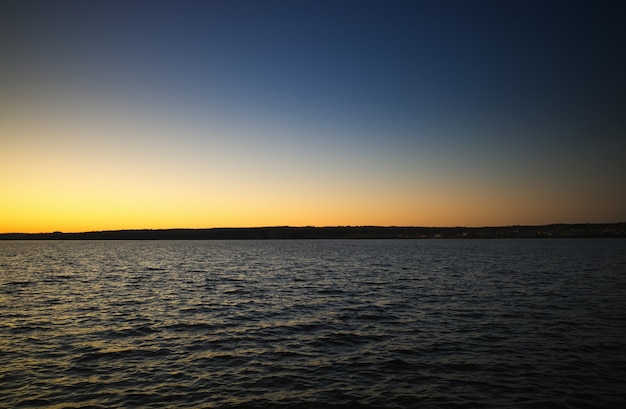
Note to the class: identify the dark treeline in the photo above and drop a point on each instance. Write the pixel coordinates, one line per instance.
(359, 232)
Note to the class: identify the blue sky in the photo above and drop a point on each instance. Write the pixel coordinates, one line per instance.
(313, 113)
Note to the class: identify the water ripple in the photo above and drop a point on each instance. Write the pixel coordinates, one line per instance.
(313, 324)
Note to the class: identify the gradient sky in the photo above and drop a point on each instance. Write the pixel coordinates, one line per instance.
(164, 114)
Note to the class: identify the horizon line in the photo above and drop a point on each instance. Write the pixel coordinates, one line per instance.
(310, 227)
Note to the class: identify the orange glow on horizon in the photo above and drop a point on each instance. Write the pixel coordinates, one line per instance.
(236, 116)
(60, 173)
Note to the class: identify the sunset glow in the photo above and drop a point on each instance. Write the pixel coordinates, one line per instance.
(229, 114)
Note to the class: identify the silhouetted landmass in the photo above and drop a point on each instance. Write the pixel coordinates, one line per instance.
(607, 230)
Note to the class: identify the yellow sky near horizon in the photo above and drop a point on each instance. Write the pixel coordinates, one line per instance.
(56, 179)
(248, 117)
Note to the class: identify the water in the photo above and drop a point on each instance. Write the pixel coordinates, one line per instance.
(313, 324)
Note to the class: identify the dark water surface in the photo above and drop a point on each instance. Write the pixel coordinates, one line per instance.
(313, 324)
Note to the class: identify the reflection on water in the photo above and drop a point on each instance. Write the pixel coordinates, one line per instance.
(308, 324)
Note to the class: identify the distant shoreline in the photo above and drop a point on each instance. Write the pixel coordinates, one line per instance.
(589, 230)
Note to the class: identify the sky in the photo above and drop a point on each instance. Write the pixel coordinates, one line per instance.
(200, 114)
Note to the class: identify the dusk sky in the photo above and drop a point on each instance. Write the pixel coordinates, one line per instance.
(198, 114)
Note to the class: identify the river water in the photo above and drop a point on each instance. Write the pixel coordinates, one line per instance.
(313, 324)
